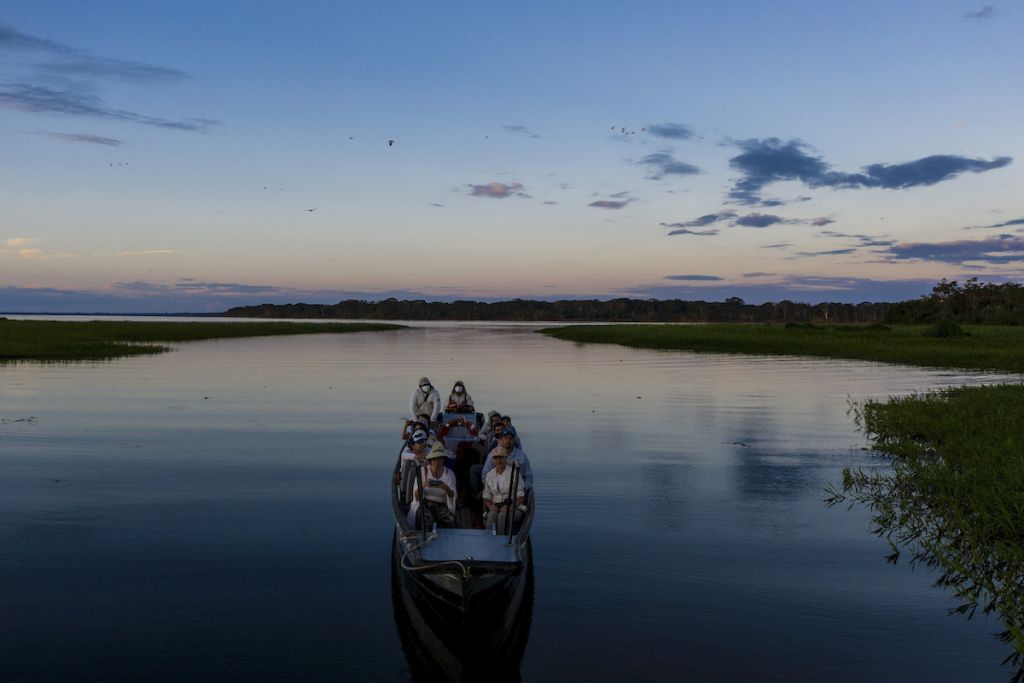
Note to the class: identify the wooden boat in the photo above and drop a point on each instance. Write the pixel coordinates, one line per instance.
(474, 646)
(461, 570)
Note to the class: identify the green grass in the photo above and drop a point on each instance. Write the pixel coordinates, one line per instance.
(48, 340)
(987, 347)
(954, 496)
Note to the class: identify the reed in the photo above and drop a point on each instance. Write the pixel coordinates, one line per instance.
(49, 340)
(952, 494)
(984, 347)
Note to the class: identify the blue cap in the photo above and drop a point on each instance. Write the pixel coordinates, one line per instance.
(509, 431)
(419, 436)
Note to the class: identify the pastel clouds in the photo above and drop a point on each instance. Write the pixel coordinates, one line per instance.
(495, 190)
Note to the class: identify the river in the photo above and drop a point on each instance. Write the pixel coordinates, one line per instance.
(222, 511)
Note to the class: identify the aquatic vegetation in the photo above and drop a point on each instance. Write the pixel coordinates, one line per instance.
(952, 495)
(51, 340)
(987, 347)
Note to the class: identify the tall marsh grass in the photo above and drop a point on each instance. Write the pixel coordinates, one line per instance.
(985, 347)
(49, 340)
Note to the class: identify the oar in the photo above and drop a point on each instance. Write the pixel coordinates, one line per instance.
(423, 500)
(512, 511)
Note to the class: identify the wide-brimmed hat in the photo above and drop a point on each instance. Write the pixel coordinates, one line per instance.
(437, 451)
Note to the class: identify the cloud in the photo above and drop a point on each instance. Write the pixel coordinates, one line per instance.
(777, 245)
(694, 278)
(862, 240)
(998, 249)
(1015, 221)
(609, 204)
(495, 190)
(759, 220)
(803, 288)
(985, 12)
(521, 130)
(824, 220)
(758, 274)
(687, 231)
(83, 137)
(674, 131)
(66, 82)
(18, 241)
(75, 62)
(831, 252)
(769, 160)
(702, 221)
(663, 164)
(75, 99)
(36, 254)
(147, 252)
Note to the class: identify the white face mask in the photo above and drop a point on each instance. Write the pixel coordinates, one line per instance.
(425, 388)
(458, 390)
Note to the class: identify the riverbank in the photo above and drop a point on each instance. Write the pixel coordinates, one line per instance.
(986, 347)
(49, 340)
(954, 496)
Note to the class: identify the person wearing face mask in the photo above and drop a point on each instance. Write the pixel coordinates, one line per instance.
(425, 400)
(459, 401)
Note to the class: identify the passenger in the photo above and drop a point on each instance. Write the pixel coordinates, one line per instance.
(436, 492)
(516, 455)
(416, 448)
(499, 429)
(487, 431)
(459, 401)
(422, 423)
(498, 493)
(425, 400)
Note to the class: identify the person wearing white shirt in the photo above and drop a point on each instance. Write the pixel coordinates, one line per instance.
(425, 400)
(435, 494)
(498, 493)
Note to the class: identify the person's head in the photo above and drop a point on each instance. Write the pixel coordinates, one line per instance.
(436, 456)
(494, 417)
(500, 458)
(507, 420)
(499, 427)
(507, 438)
(418, 441)
(459, 389)
(424, 421)
(425, 385)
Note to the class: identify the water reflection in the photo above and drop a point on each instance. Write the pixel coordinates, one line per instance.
(440, 646)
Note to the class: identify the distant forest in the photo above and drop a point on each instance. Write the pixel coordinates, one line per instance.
(969, 303)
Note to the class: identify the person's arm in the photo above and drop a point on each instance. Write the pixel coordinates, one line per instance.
(412, 403)
(525, 471)
(449, 479)
(488, 466)
(437, 405)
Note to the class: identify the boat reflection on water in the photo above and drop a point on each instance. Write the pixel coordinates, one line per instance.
(441, 644)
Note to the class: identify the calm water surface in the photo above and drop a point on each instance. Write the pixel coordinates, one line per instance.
(222, 511)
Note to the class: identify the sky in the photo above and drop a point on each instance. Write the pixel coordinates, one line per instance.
(182, 156)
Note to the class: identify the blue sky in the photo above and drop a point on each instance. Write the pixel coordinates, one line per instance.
(186, 156)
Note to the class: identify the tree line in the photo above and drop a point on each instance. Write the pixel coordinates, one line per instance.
(589, 310)
(969, 303)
